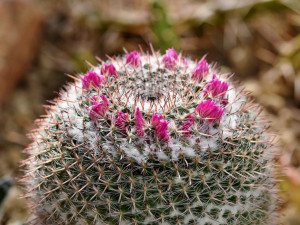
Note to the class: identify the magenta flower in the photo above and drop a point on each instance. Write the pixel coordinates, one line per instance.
(95, 98)
(99, 109)
(185, 127)
(92, 77)
(133, 58)
(155, 120)
(209, 111)
(121, 121)
(162, 132)
(216, 88)
(109, 70)
(161, 127)
(200, 71)
(139, 123)
(172, 53)
(170, 58)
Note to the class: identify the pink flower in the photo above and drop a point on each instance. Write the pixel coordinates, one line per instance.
(200, 71)
(189, 121)
(209, 111)
(161, 127)
(162, 132)
(95, 98)
(92, 77)
(109, 70)
(172, 53)
(133, 58)
(139, 123)
(216, 88)
(121, 121)
(99, 109)
(170, 58)
(155, 120)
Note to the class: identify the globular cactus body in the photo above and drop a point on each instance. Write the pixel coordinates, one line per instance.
(151, 139)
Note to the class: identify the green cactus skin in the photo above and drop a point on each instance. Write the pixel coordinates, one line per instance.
(82, 170)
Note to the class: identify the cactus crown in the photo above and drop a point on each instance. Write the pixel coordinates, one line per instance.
(151, 139)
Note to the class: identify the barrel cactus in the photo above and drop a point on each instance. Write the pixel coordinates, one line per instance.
(151, 139)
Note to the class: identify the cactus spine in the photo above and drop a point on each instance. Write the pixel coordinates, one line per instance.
(151, 139)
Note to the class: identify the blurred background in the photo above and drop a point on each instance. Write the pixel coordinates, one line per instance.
(41, 41)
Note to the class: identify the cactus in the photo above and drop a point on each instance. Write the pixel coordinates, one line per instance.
(151, 139)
